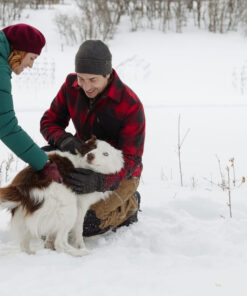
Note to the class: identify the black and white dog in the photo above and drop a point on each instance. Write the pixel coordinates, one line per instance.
(41, 207)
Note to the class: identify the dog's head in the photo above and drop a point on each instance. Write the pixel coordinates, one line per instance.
(101, 157)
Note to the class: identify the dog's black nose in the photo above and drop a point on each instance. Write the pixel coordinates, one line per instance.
(90, 157)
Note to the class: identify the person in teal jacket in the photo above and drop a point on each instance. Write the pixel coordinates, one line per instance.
(20, 45)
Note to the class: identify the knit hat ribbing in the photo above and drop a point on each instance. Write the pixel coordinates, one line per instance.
(24, 37)
(93, 57)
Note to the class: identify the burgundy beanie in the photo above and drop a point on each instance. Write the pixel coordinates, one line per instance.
(24, 37)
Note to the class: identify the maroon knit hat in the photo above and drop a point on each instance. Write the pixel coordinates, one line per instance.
(24, 37)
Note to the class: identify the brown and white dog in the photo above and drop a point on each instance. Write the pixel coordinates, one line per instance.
(41, 207)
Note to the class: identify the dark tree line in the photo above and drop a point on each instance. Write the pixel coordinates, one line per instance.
(11, 10)
(100, 18)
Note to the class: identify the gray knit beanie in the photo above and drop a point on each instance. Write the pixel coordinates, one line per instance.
(93, 57)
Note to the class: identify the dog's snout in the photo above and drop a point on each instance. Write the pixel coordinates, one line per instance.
(90, 157)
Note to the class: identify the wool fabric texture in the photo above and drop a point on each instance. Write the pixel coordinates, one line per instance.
(25, 37)
(93, 57)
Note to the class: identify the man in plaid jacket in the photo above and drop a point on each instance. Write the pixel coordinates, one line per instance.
(99, 103)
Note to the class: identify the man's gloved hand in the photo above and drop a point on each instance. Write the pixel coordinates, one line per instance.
(67, 142)
(51, 171)
(86, 181)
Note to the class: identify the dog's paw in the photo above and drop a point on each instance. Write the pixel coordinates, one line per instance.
(78, 243)
(49, 245)
(29, 252)
(77, 252)
(83, 252)
(26, 249)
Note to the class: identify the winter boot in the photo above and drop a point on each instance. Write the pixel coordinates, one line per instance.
(119, 209)
(132, 219)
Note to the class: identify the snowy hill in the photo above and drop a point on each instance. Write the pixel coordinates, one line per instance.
(185, 243)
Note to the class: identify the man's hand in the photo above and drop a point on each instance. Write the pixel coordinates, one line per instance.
(86, 181)
(69, 143)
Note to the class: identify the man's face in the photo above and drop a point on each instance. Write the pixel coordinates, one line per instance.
(92, 84)
(27, 62)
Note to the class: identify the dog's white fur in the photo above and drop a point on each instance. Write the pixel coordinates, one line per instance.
(62, 209)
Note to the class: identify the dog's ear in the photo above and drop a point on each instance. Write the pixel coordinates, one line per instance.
(88, 145)
(93, 138)
(91, 141)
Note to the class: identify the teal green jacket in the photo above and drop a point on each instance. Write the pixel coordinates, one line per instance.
(11, 134)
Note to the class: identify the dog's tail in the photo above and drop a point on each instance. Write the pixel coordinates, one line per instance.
(10, 197)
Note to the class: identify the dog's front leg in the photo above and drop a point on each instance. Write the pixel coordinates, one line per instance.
(61, 244)
(50, 242)
(76, 235)
(25, 243)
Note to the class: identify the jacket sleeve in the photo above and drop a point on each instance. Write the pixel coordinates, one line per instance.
(11, 134)
(56, 119)
(131, 141)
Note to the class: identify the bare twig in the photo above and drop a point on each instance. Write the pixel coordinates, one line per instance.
(180, 143)
(213, 183)
(233, 171)
(8, 164)
(228, 185)
(223, 182)
(229, 190)
(193, 182)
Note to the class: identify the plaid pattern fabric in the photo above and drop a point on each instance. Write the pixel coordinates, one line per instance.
(117, 116)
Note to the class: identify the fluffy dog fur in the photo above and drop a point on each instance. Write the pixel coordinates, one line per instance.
(41, 207)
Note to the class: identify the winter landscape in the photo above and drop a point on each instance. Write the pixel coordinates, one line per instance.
(185, 243)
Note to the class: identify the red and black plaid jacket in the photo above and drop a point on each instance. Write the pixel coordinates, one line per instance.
(116, 117)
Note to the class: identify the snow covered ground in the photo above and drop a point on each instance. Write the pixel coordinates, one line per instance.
(185, 243)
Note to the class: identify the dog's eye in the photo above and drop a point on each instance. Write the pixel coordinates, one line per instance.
(105, 153)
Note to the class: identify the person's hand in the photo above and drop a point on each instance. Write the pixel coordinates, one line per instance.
(51, 171)
(69, 143)
(86, 181)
